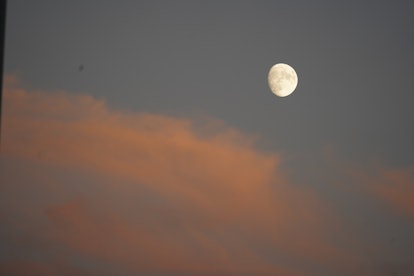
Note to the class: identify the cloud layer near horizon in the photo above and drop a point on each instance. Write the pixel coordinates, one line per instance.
(96, 190)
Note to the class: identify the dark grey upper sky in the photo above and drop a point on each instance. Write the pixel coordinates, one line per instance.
(190, 59)
(354, 61)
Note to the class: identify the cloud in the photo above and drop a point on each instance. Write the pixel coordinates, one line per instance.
(30, 267)
(397, 188)
(149, 193)
(394, 186)
(136, 247)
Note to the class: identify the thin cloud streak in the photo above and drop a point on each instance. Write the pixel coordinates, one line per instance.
(394, 187)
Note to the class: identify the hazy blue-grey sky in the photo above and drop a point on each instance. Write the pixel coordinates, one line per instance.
(345, 135)
(183, 57)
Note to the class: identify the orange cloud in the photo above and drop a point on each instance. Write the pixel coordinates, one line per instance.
(172, 195)
(393, 186)
(398, 189)
(140, 249)
(29, 267)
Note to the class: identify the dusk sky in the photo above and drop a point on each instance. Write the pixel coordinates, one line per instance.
(141, 138)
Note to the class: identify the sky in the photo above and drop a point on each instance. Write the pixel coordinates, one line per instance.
(141, 138)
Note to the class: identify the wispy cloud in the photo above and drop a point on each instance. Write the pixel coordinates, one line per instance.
(393, 186)
(161, 194)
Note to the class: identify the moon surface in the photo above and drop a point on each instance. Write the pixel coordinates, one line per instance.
(282, 79)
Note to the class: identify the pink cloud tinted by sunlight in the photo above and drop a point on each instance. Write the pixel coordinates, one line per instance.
(96, 190)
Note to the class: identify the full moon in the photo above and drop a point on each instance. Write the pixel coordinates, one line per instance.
(282, 79)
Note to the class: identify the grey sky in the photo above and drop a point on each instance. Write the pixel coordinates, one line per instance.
(182, 57)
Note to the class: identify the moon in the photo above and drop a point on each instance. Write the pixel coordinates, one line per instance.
(282, 79)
